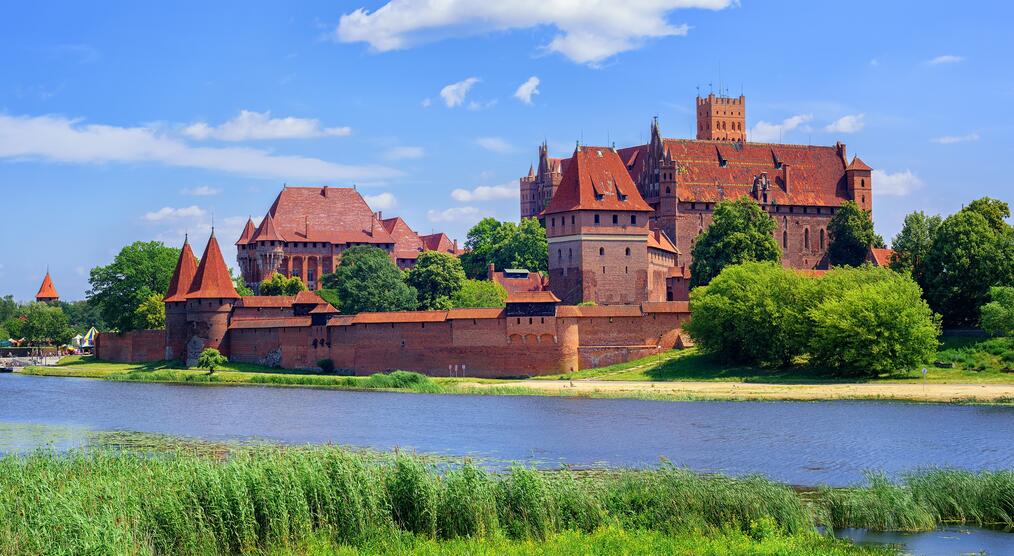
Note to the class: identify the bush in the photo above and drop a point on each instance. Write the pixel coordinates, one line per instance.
(211, 359)
(326, 366)
(998, 314)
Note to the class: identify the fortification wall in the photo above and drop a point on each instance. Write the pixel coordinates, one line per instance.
(137, 346)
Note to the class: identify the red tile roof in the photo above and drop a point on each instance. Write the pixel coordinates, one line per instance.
(858, 164)
(404, 237)
(280, 322)
(438, 242)
(598, 311)
(880, 257)
(47, 291)
(666, 307)
(400, 316)
(531, 282)
(183, 276)
(596, 180)
(267, 231)
(532, 297)
(326, 214)
(248, 232)
(307, 298)
(658, 240)
(477, 313)
(212, 279)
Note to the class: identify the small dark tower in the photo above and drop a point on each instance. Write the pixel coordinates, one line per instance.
(858, 179)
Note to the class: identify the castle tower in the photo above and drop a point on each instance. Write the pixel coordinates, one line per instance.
(246, 251)
(858, 180)
(597, 227)
(47, 291)
(176, 328)
(269, 251)
(721, 118)
(660, 174)
(210, 300)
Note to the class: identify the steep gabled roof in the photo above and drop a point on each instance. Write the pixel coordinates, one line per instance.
(858, 164)
(47, 290)
(267, 230)
(658, 240)
(404, 237)
(248, 232)
(212, 279)
(596, 179)
(183, 276)
(438, 242)
(328, 214)
(880, 257)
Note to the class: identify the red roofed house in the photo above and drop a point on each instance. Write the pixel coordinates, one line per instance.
(47, 291)
(681, 180)
(517, 279)
(880, 257)
(307, 228)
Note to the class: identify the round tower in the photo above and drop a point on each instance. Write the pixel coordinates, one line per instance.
(176, 329)
(209, 304)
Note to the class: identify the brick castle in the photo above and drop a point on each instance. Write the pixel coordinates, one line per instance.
(681, 180)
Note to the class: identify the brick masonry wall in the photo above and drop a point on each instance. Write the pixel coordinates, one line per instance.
(136, 346)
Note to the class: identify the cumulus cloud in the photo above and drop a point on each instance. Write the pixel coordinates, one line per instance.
(201, 191)
(527, 89)
(897, 184)
(507, 190)
(945, 59)
(454, 214)
(494, 144)
(454, 94)
(381, 201)
(170, 213)
(250, 125)
(764, 132)
(950, 139)
(58, 139)
(847, 124)
(587, 32)
(403, 152)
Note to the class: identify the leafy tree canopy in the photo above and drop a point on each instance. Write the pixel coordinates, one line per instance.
(436, 277)
(278, 284)
(139, 271)
(241, 288)
(505, 245)
(740, 232)
(851, 235)
(998, 314)
(331, 296)
(211, 359)
(913, 243)
(972, 251)
(40, 324)
(151, 312)
(479, 293)
(367, 281)
(8, 307)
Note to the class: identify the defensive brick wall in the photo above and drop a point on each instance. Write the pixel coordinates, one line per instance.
(137, 346)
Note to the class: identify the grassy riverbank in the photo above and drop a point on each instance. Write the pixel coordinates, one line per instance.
(324, 499)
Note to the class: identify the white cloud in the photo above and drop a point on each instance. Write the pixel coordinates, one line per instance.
(381, 201)
(764, 132)
(454, 214)
(527, 89)
(897, 184)
(426, 102)
(509, 190)
(494, 144)
(201, 191)
(945, 59)
(58, 139)
(950, 139)
(168, 213)
(454, 94)
(476, 105)
(588, 32)
(403, 152)
(250, 125)
(847, 124)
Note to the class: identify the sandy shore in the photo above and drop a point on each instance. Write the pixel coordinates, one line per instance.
(933, 392)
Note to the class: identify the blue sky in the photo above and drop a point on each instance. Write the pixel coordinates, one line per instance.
(133, 121)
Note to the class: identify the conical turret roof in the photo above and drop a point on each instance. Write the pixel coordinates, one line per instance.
(212, 279)
(183, 276)
(858, 164)
(47, 292)
(267, 230)
(248, 232)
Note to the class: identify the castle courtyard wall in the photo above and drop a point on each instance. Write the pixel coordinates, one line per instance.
(137, 346)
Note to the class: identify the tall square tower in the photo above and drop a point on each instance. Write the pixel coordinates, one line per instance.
(721, 118)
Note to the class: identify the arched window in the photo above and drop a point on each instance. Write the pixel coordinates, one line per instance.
(806, 238)
(628, 251)
(785, 239)
(570, 254)
(559, 254)
(862, 183)
(822, 239)
(602, 251)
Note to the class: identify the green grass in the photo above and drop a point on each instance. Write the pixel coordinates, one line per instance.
(324, 499)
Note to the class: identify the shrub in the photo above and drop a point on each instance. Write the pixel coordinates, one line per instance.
(326, 366)
(524, 504)
(211, 359)
(998, 314)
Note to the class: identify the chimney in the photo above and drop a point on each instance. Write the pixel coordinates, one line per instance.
(490, 271)
(324, 191)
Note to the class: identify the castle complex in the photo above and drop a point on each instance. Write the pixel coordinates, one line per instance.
(681, 180)
(307, 228)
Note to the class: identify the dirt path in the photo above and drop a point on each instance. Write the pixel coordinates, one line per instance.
(739, 390)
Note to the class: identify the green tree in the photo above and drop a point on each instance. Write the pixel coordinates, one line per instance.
(913, 243)
(330, 296)
(998, 314)
(278, 284)
(138, 271)
(240, 284)
(42, 324)
(150, 314)
(878, 323)
(83, 315)
(505, 245)
(479, 293)
(972, 251)
(436, 277)
(211, 359)
(367, 281)
(851, 235)
(740, 232)
(8, 307)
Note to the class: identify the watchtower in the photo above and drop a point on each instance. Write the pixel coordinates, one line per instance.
(721, 118)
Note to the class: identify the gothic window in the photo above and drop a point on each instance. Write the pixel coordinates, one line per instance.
(596, 219)
(628, 251)
(785, 239)
(822, 239)
(616, 219)
(602, 251)
(806, 238)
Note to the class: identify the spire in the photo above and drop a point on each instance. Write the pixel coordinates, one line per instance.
(212, 279)
(183, 276)
(248, 232)
(267, 231)
(47, 292)
(531, 171)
